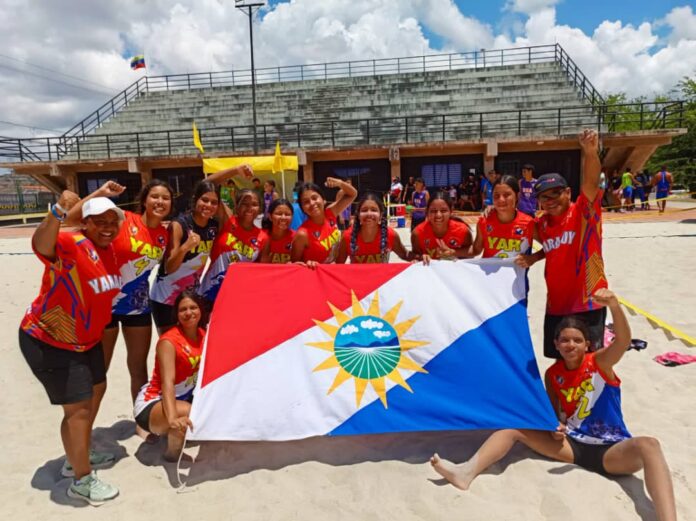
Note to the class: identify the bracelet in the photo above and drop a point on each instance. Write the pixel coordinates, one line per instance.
(62, 210)
(60, 217)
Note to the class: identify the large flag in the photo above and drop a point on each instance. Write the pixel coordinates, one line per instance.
(137, 62)
(360, 349)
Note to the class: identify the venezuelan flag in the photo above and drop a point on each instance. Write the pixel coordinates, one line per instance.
(138, 62)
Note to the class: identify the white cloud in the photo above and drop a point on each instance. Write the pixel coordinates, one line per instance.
(382, 334)
(93, 40)
(348, 330)
(371, 324)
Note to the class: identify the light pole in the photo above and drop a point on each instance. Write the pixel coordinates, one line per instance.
(248, 7)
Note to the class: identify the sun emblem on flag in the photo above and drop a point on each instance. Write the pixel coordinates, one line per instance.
(368, 347)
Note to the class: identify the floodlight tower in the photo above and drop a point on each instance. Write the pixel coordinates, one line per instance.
(249, 7)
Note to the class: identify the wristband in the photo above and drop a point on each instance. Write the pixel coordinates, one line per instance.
(58, 212)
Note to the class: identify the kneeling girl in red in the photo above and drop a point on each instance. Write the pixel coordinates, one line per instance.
(441, 236)
(504, 232)
(370, 240)
(317, 240)
(279, 235)
(163, 404)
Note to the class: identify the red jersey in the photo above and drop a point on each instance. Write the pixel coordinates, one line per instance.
(322, 240)
(77, 289)
(456, 236)
(233, 244)
(369, 252)
(139, 250)
(186, 364)
(279, 249)
(574, 266)
(504, 240)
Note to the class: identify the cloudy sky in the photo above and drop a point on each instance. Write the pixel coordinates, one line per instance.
(61, 59)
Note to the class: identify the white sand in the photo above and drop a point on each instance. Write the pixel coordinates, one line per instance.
(372, 477)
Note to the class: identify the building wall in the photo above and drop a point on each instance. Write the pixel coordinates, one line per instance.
(182, 180)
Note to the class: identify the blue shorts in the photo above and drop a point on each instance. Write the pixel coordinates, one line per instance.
(640, 194)
(661, 195)
(628, 192)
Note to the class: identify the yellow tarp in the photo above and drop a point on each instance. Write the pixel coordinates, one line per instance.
(260, 164)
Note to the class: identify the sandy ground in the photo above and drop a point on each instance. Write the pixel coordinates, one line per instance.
(650, 264)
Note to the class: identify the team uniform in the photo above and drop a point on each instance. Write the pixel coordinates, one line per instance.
(139, 250)
(279, 249)
(662, 186)
(591, 403)
(168, 286)
(456, 236)
(506, 240)
(627, 185)
(528, 201)
(233, 244)
(574, 268)
(186, 363)
(61, 331)
(322, 240)
(369, 252)
(420, 201)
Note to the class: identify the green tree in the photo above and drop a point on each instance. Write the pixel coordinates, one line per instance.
(680, 156)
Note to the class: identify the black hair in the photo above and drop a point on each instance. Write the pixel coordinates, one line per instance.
(419, 180)
(509, 181)
(573, 323)
(267, 224)
(271, 182)
(383, 250)
(528, 166)
(145, 191)
(439, 196)
(203, 187)
(305, 187)
(189, 293)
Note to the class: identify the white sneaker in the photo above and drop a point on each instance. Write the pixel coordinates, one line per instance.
(92, 490)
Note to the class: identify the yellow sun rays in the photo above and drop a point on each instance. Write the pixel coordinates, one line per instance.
(354, 363)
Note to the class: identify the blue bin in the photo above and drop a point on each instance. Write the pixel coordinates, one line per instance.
(401, 222)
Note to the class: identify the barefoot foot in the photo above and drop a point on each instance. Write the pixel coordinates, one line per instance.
(460, 476)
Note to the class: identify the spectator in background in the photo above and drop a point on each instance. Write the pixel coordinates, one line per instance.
(527, 202)
(639, 192)
(408, 190)
(470, 193)
(344, 216)
(419, 201)
(256, 186)
(662, 181)
(627, 182)
(395, 193)
(487, 188)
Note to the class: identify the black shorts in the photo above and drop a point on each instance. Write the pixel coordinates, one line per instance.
(67, 376)
(143, 419)
(143, 320)
(588, 456)
(163, 314)
(594, 319)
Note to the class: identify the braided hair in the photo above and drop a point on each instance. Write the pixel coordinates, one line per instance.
(383, 242)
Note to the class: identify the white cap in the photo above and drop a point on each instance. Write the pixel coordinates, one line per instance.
(99, 205)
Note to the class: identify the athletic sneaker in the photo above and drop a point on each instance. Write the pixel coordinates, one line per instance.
(92, 490)
(98, 460)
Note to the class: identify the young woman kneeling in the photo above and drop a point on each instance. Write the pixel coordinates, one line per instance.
(163, 404)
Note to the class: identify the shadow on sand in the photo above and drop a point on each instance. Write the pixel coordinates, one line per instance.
(48, 477)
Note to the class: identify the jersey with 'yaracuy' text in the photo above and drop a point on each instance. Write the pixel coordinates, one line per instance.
(504, 240)
(279, 249)
(590, 401)
(77, 289)
(139, 250)
(574, 267)
(322, 239)
(233, 244)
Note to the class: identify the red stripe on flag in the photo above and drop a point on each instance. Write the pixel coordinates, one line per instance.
(262, 305)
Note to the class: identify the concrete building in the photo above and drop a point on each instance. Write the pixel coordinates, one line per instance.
(438, 117)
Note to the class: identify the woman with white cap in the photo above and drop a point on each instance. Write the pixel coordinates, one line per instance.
(60, 334)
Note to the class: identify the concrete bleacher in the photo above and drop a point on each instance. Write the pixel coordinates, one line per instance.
(536, 89)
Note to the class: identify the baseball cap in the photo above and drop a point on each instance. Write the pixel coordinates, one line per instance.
(549, 181)
(99, 205)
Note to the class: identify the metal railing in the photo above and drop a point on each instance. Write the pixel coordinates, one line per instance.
(358, 132)
(323, 71)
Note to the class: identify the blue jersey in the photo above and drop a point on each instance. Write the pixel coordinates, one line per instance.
(487, 191)
(419, 203)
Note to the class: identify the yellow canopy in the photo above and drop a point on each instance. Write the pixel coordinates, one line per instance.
(260, 164)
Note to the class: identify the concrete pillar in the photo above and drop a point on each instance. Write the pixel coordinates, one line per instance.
(490, 155)
(71, 182)
(395, 169)
(309, 171)
(138, 167)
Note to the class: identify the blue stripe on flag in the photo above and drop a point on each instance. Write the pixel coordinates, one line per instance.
(487, 379)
